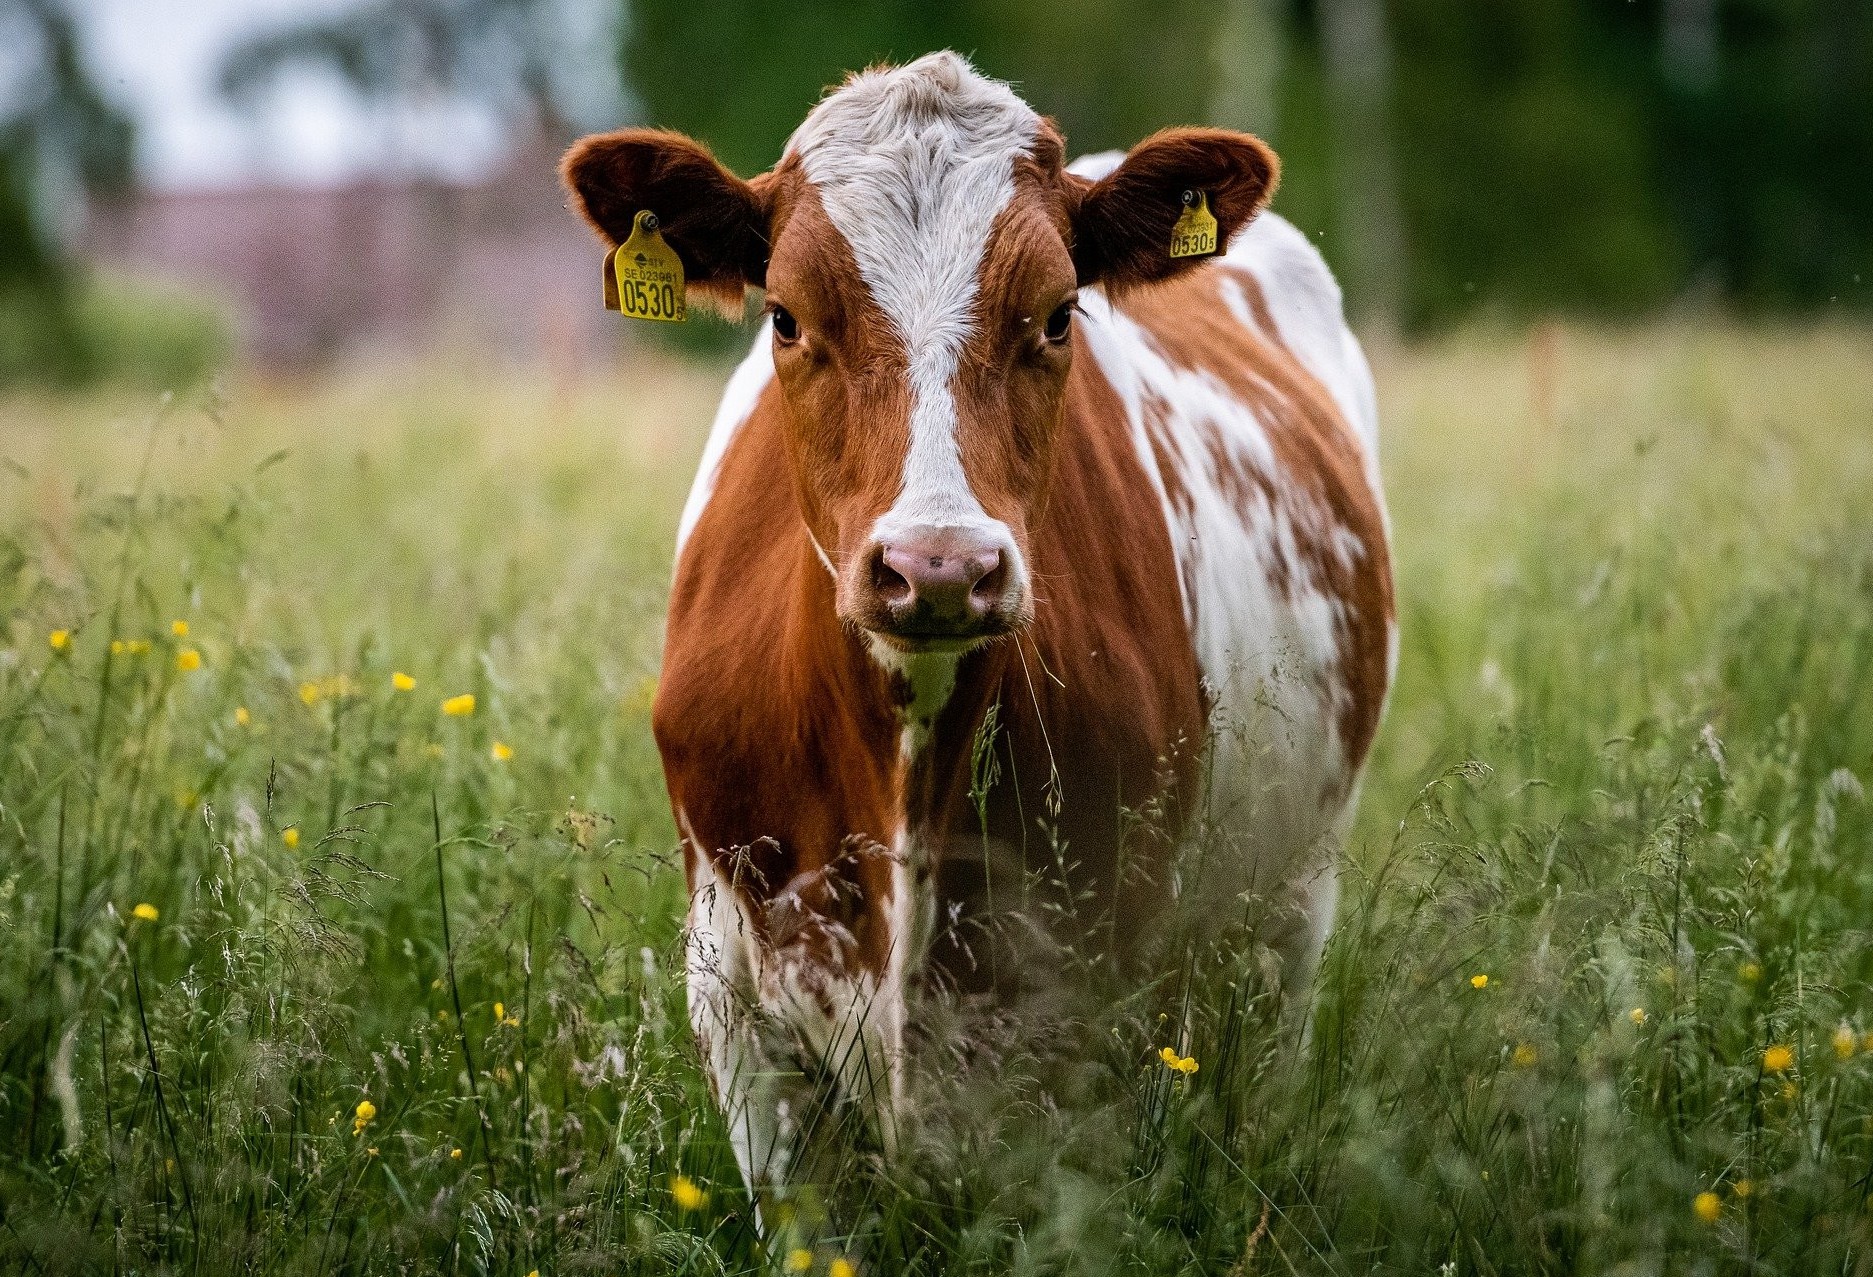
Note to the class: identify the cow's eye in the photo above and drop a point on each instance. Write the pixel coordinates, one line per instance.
(786, 327)
(1060, 323)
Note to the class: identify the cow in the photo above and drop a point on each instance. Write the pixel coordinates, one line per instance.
(998, 464)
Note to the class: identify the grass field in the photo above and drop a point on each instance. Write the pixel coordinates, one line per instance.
(302, 973)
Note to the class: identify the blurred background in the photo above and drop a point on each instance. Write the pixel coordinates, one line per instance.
(188, 184)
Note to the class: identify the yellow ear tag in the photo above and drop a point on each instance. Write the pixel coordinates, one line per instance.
(1195, 232)
(644, 276)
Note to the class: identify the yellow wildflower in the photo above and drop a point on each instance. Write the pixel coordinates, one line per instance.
(500, 753)
(1637, 1016)
(179, 628)
(455, 1154)
(309, 693)
(1524, 1055)
(1778, 1058)
(1185, 1064)
(371, 1151)
(59, 639)
(1743, 1187)
(188, 659)
(1749, 972)
(500, 1012)
(799, 1260)
(290, 836)
(241, 717)
(401, 681)
(1845, 1040)
(687, 1196)
(138, 647)
(1708, 1206)
(842, 1267)
(459, 706)
(145, 911)
(1479, 981)
(362, 1116)
(118, 647)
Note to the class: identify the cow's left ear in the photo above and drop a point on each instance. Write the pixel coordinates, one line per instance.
(716, 222)
(1122, 225)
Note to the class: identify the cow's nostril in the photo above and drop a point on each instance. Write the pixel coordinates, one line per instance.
(888, 583)
(989, 588)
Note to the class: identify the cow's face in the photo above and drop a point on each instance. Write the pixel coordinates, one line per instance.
(922, 250)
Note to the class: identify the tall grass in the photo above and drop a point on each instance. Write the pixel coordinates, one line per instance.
(1600, 999)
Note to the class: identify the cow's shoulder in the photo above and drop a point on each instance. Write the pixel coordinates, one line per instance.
(1303, 300)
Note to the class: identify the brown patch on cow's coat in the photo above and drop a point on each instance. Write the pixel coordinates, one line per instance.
(1317, 456)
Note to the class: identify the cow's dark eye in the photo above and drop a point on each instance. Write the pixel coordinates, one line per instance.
(1060, 323)
(786, 327)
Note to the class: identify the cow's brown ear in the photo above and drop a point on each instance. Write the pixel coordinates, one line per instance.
(716, 222)
(1123, 222)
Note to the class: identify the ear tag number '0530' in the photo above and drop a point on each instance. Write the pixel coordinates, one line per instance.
(644, 277)
(1195, 232)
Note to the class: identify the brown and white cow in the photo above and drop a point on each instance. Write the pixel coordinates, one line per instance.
(992, 447)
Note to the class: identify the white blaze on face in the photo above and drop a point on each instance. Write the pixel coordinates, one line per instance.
(912, 165)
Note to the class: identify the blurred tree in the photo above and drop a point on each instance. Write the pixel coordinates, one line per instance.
(1587, 156)
(60, 141)
(1606, 156)
(523, 58)
(1357, 60)
(740, 74)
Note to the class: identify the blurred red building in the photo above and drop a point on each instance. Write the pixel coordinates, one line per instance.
(309, 274)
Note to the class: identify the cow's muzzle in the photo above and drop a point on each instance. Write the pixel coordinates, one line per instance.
(932, 587)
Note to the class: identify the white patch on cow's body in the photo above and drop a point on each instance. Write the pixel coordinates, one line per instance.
(912, 165)
(930, 676)
(1304, 300)
(1264, 629)
(1096, 165)
(738, 400)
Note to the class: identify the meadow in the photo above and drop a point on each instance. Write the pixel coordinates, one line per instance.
(340, 918)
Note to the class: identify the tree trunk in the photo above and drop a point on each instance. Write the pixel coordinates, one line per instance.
(1358, 65)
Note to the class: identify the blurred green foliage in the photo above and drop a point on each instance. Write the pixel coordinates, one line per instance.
(63, 141)
(1586, 156)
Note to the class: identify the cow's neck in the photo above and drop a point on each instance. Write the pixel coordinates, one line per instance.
(936, 701)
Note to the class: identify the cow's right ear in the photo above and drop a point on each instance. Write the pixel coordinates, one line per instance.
(717, 223)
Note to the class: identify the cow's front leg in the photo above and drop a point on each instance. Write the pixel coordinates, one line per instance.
(760, 1096)
(792, 1026)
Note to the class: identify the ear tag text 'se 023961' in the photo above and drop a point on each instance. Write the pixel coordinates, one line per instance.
(1195, 232)
(644, 276)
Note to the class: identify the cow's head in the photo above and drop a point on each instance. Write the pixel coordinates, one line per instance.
(922, 248)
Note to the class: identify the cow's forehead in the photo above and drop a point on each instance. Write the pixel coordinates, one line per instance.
(912, 165)
(936, 108)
